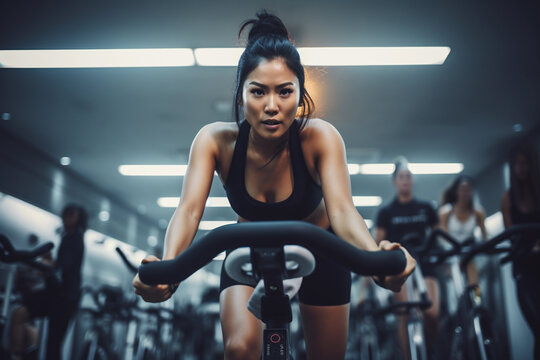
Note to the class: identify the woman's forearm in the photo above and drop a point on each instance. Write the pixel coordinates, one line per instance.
(180, 232)
(351, 227)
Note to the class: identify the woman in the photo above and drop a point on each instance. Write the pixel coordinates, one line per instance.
(274, 167)
(459, 217)
(521, 205)
(409, 218)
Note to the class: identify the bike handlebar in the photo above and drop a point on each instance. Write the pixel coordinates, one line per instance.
(9, 254)
(128, 263)
(272, 234)
(506, 234)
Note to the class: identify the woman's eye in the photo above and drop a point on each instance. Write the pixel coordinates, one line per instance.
(286, 91)
(257, 92)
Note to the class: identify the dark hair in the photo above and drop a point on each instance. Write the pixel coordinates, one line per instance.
(82, 218)
(400, 163)
(533, 181)
(268, 39)
(450, 195)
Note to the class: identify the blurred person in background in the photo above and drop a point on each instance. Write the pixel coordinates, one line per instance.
(459, 216)
(59, 299)
(405, 216)
(521, 205)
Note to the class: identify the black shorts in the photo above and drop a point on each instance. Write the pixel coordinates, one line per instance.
(428, 270)
(328, 285)
(40, 303)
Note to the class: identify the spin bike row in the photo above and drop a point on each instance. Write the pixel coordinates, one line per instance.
(276, 251)
(110, 324)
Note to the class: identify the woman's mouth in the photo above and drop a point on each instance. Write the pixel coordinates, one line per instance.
(271, 124)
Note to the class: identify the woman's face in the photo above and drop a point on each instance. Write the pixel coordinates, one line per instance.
(464, 191)
(403, 182)
(70, 220)
(270, 98)
(520, 167)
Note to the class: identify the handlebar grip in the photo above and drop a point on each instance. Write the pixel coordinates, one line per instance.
(37, 251)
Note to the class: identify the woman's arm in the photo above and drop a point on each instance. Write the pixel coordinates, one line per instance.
(380, 234)
(185, 221)
(505, 209)
(480, 217)
(331, 166)
(444, 216)
(345, 220)
(195, 189)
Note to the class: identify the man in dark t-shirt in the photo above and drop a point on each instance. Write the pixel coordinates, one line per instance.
(400, 219)
(407, 220)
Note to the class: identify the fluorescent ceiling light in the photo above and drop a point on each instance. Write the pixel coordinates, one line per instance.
(338, 56)
(436, 168)
(217, 201)
(367, 200)
(211, 225)
(168, 202)
(152, 170)
(354, 169)
(221, 201)
(173, 57)
(218, 56)
(416, 168)
(365, 56)
(97, 58)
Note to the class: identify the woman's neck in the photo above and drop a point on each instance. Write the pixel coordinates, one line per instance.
(462, 206)
(267, 148)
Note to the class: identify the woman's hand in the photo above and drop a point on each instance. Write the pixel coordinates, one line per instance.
(395, 282)
(151, 293)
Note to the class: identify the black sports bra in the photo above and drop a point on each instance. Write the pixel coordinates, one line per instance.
(306, 194)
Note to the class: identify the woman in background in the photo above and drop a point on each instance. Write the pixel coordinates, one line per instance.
(521, 205)
(59, 300)
(459, 216)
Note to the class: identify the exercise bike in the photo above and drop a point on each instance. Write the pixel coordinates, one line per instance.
(272, 251)
(9, 255)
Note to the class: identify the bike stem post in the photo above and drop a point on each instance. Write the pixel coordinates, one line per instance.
(276, 312)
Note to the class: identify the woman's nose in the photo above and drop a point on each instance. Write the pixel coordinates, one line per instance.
(271, 107)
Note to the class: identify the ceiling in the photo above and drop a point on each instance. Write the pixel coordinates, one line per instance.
(461, 111)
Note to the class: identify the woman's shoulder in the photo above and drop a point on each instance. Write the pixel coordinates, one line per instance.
(319, 131)
(220, 128)
(479, 213)
(318, 125)
(220, 131)
(445, 210)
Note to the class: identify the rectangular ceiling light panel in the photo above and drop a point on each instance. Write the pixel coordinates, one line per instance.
(174, 57)
(98, 58)
(152, 170)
